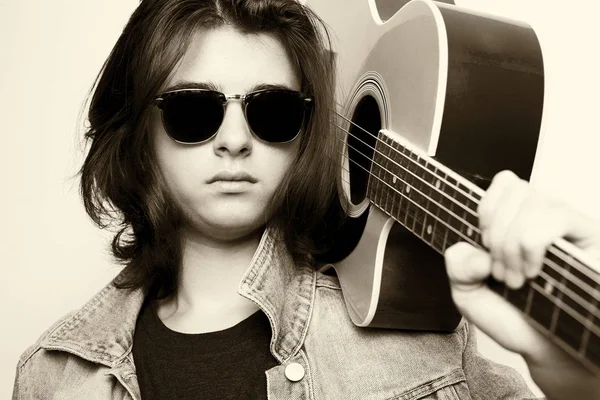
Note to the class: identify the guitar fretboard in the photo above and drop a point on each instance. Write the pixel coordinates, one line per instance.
(441, 209)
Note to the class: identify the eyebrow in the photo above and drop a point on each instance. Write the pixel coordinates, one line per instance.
(179, 85)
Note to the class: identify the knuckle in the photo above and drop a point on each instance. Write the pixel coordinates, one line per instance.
(456, 252)
(532, 244)
(511, 251)
(505, 175)
(495, 244)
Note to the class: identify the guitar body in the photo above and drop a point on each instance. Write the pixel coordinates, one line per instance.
(465, 91)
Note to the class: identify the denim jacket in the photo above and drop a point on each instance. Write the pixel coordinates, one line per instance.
(320, 353)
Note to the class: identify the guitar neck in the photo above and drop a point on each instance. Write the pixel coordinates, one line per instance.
(440, 207)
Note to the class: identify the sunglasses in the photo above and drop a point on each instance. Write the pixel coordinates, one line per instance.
(193, 116)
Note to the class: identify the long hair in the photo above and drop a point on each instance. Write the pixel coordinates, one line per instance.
(121, 184)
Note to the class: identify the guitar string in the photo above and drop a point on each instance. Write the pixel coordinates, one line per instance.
(411, 172)
(591, 308)
(587, 323)
(377, 139)
(453, 200)
(561, 254)
(585, 286)
(553, 250)
(581, 268)
(565, 274)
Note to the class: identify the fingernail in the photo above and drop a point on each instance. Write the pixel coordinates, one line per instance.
(514, 280)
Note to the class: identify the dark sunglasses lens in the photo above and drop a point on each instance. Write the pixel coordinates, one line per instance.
(192, 117)
(276, 116)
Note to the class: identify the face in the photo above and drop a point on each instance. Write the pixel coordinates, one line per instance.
(199, 176)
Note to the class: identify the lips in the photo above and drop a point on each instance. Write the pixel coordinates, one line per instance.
(230, 176)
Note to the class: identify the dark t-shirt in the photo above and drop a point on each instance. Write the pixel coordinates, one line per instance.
(227, 364)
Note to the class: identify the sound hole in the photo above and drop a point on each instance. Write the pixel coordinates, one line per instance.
(361, 145)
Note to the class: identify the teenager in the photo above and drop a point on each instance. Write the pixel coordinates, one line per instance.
(211, 152)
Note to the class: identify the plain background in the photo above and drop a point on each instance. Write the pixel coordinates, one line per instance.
(54, 259)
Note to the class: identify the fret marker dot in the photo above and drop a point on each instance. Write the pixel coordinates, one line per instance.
(407, 189)
(394, 179)
(469, 231)
(549, 287)
(438, 184)
(429, 229)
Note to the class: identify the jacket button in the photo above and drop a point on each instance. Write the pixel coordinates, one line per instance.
(294, 372)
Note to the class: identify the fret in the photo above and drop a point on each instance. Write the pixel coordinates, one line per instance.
(435, 189)
(387, 190)
(445, 244)
(417, 174)
(394, 198)
(397, 185)
(376, 191)
(444, 218)
(542, 307)
(445, 200)
(415, 197)
(406, 179)
(569, 329)
(452, 238)
(592, 352)
(418, 224)
(403, 173)
(560, 284)
(436, 237)
(520, 298)
(527, 309)
(378, 185)
(440, 186)
(428, 204)
(590, 346)
(400, 183)
(393, 181)
(410, 190)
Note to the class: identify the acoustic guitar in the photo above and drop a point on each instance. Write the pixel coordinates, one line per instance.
(433, 102)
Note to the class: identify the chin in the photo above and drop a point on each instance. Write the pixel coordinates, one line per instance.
(236, 232)
(235, 225)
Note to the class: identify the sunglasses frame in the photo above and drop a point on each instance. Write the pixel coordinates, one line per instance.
(159, 102)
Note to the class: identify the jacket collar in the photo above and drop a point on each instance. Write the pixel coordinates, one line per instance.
(102, 330)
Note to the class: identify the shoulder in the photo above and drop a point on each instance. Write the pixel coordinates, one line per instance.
(33, 349)
(408, 362)
(330, 316)
(38, 369)
(372, 360)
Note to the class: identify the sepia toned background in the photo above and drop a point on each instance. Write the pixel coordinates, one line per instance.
(53, 258)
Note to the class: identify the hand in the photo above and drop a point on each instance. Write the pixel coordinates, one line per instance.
(517, 225)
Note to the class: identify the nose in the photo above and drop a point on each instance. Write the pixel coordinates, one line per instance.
(234, 137)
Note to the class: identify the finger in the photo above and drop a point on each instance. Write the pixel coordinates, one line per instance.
(498, 270)
(522, 251)
(541, 228)
(514, 279)
(503, 247)
(542, 221)
(512, 260)
(467, 266)
(489, 202)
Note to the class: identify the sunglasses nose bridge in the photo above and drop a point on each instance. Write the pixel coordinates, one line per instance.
(241, 97)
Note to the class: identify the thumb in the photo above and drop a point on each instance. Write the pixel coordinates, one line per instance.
(468, 269)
